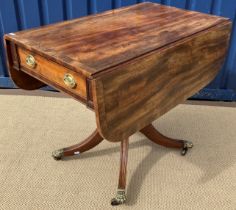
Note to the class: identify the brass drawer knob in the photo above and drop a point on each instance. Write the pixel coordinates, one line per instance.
(30, 61)
(69, 81)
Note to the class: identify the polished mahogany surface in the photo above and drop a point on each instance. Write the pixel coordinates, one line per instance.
(95, 43)
(131, 65)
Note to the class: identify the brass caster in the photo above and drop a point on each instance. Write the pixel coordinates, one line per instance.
(119, 199)
(58, 154)
(187, 145)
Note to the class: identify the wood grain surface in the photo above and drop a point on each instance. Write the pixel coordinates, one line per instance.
(136, 93)
(133, 64)
(124, 148)
(91, 44)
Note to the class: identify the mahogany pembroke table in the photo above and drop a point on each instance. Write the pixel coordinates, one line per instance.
(130, 65)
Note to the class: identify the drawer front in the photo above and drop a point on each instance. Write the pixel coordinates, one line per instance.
(52, 73)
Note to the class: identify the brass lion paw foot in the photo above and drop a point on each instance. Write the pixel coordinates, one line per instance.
(187, 145)
(119, 199)
(58, 154)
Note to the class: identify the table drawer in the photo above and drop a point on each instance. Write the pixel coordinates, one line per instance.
(52, 73)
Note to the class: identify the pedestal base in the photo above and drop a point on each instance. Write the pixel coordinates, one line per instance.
(95, 138)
